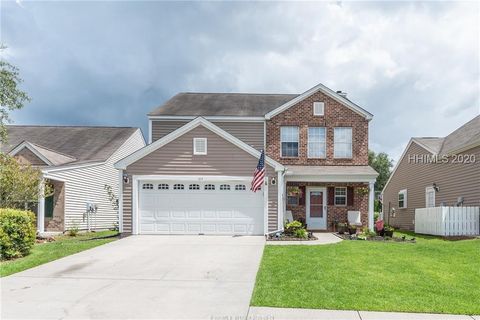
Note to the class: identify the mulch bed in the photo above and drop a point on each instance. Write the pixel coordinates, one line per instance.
(376, 238)
(288, 238)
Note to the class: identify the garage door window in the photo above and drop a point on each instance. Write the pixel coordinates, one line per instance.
(209, 187)
(178, 186)
(240, 187)
(194, 187)
(163, 186)
(225, 187)
(147, 186)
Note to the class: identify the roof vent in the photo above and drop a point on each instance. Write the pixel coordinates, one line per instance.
(341, 93)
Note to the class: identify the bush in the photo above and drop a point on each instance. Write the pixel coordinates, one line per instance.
(301, 233)
(73, 231)
(292, 227)
(17, 233)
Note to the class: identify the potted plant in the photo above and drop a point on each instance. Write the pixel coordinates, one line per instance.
(388, 231)
(341, 227)
(352, 229)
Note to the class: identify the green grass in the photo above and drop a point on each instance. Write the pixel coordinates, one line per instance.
(49, 251)
(432, 275)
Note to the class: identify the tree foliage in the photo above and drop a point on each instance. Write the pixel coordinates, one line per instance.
(20, 184)
(383, 165)
(11, 97)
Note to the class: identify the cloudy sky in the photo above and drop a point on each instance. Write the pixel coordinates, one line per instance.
(415, 66)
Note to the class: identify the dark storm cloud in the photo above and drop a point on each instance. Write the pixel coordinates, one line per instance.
(415, 66)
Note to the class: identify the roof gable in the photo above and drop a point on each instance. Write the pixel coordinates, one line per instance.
(327, 91)
(122, 164)
(49, 157)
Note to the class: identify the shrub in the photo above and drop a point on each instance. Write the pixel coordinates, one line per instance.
(291, 227)
(17, 233)
(301, 233)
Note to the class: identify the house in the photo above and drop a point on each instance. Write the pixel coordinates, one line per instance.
(434, 172)
(78, 163)
(194, 177)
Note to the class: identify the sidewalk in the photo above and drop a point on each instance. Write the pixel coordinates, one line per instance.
(265, 313)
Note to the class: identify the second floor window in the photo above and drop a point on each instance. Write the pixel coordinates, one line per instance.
(316, 142)
(342, 147)
(289, 141)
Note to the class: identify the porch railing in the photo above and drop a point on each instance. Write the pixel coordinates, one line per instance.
(448, 221)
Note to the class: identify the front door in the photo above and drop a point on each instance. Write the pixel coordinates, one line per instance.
(316, 209)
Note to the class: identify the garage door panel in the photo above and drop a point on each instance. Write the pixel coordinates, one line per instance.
(200, 211)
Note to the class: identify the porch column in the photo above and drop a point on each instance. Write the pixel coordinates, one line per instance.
(371, 201)
(41, 207)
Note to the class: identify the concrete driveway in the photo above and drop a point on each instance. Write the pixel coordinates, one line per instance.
(174, 277)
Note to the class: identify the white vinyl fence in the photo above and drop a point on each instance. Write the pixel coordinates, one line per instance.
(448, 221)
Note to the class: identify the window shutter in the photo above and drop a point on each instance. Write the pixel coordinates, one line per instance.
(331, 196)
(350, 196)
(301, 200)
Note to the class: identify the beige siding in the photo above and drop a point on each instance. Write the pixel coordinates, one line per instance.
(251, 133)
(454, 180)
(176, 158)
(87, 185)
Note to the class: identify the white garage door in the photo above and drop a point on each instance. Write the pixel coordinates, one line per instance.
(193, 207)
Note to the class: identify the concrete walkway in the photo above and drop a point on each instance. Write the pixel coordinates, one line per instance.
(265, 313)
(323, 238)
(140, 277)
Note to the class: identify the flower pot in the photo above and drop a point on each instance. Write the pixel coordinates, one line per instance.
(352, 231)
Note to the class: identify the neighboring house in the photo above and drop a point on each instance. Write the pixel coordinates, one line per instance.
(78, 163)
(434, 172)
(194, 177)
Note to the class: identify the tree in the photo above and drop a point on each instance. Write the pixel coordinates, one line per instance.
(383, 165)
(20, 184)
(11, 97)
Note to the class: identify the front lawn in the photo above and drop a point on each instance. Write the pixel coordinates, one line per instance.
(49, 251)
(432, 275)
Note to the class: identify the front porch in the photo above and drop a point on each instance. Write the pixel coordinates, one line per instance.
(51, 209)
(321, 197)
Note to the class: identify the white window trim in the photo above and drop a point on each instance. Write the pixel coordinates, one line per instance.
(427, 190)
(308, 144)
(341, 196)
(298, 142)
(351, 143)
(199, 153)
(405, 205)
(323, 108)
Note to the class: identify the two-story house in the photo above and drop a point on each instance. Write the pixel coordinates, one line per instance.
(195, 175)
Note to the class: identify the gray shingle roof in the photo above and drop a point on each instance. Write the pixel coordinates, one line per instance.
(84, 144)
(466, 135)
(221, 104)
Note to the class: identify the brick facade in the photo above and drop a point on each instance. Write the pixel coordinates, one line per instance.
(334, 213)
(336, 115)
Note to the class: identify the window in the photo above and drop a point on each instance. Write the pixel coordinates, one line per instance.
(225, 187)
(293, 196)
(240, 187)
(200, 146)
(316, 142)
(402, 199)
(163, 186)
(429, 197)
(147, 186)
(194, 187)
(341, 196)
(342, 143)
(289, 141)
(178, 186)
(318, 108)
(209, 187)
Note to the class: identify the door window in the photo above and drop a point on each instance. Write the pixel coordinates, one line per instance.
(316, 204)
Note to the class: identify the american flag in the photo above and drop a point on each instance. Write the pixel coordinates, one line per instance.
(259, 174)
